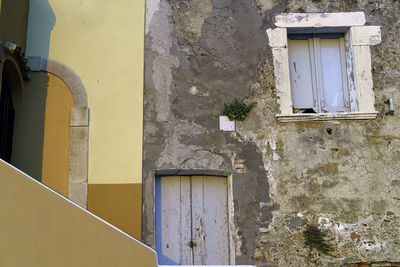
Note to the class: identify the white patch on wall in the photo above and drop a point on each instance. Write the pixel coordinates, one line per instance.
(194, 90)
(267, 5)
(271, 179)
(226, 125)
(161, 29)
(151, 7)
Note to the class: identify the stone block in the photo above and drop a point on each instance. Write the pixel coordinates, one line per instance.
(363, 74)
(299, 20)
(366, 35)
(282, 79)
(77, 192)
(355, 236)
(79, 116)
(277, 37)
(78, 154)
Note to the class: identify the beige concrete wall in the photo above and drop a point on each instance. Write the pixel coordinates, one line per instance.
(56, 146)
(102, 42)
(41, 228)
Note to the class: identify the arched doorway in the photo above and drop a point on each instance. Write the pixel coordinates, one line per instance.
(22, 121)
(7, 114)
(60, 76)
(22, 113)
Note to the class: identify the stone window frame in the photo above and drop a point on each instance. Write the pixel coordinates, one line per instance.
(358, 40)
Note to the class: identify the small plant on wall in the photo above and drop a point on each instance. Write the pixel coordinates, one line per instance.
(316, 239)
(237, 110)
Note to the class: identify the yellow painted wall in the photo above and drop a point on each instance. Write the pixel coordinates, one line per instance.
(103, 42)
(56, 145)
(119, 204)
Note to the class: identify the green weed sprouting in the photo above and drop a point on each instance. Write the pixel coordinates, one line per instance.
(316, 239)
(237, 110)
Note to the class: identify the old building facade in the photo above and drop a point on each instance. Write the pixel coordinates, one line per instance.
(339, 175)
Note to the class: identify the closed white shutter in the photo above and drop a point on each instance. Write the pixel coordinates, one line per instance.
(318, 77)
(301, 74)
(333, 91)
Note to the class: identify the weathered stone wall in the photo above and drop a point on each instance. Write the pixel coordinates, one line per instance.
(342, 176)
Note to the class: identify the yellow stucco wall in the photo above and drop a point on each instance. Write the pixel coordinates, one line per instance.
(119, 204)
(56, 143)
(102, 41)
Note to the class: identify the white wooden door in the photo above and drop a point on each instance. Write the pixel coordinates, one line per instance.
(194, 220)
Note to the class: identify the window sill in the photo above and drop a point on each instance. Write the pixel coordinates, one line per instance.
(326, 116)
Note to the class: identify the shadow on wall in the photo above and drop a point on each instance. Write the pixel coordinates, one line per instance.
(40, 24)
(28, 97)
(56, 118)
(14, 21)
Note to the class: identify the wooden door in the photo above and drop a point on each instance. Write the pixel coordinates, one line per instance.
(194, 220)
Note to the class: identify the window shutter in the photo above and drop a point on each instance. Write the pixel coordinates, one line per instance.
(301, 80)
(332, 91)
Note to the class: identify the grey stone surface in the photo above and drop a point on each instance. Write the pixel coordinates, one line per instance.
(77, 192)
(78, 154)
(339, 175)
(79, 116)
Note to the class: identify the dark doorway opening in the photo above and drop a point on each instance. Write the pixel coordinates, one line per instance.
(7, 114)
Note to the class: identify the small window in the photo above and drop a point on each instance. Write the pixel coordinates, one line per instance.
(318, 76)
(322, 66)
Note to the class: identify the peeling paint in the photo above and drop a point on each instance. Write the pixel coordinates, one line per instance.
(200, 55)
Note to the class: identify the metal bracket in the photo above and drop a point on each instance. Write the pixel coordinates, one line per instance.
(391, 107)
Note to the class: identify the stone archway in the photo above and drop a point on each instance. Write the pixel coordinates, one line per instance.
(79, 126)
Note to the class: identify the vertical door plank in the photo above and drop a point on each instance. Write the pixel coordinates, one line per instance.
(198, 235)
(195, 209)
(215, 220)
(186, 222)
(170, 217)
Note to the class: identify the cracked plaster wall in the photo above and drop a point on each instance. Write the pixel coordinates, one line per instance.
(342, 176)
